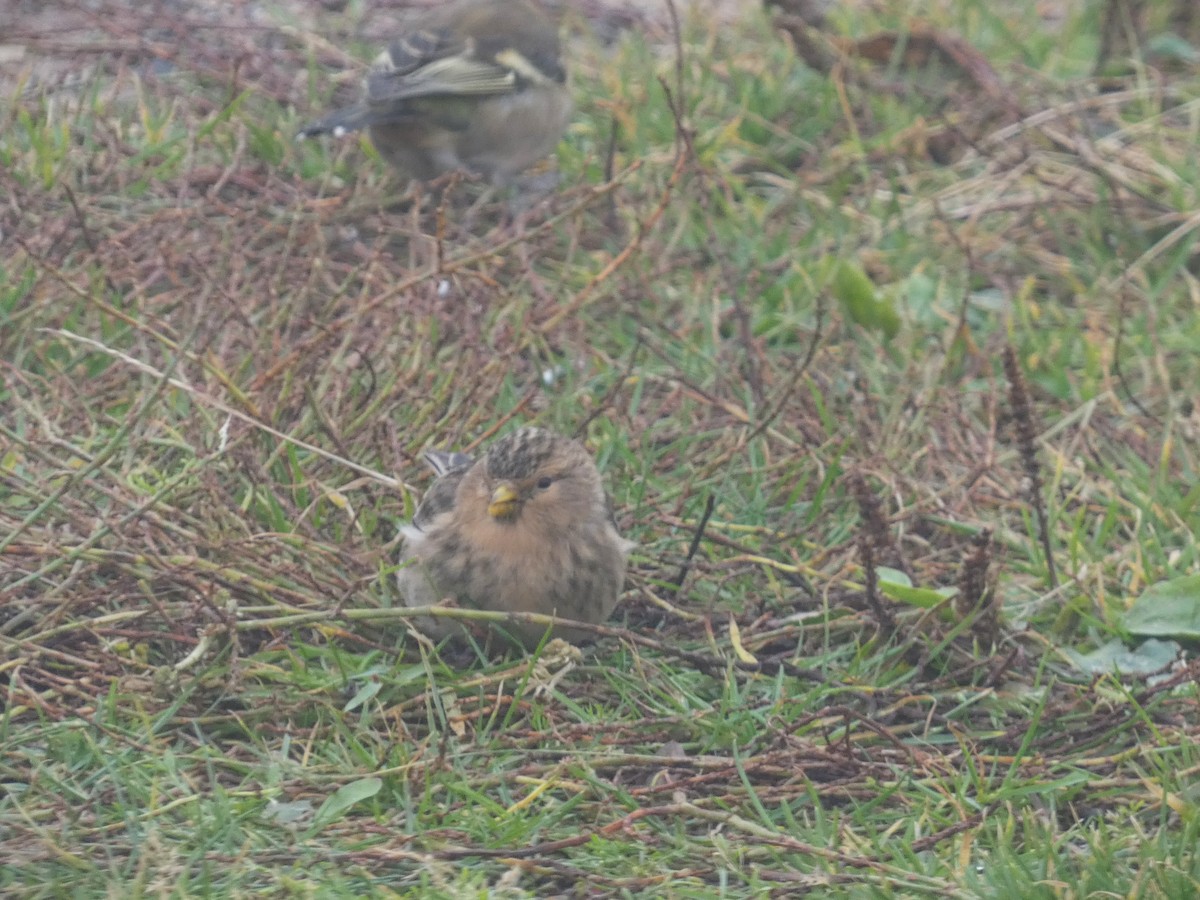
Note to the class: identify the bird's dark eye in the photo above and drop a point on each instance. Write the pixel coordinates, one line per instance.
(544, 482)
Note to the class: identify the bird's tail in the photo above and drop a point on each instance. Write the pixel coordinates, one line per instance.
(339, 123)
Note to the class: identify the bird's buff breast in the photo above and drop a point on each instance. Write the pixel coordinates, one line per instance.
(576, 575)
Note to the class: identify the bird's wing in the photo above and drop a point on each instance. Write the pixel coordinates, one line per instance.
(439, 499)
(443, 462)
(437, 61)
(456, 76)
(625, 544)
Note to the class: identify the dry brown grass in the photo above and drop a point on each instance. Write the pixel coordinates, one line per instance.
(222, 356)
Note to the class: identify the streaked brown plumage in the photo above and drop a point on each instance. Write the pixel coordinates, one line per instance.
(477, 85)
(526, 528)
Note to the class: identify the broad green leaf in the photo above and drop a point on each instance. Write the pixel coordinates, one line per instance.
(336, 805)
(892, 576)
(1167, 609)
(1114, 657)
(895, 584)
(295, 812)
(856, 292)
(925, 598)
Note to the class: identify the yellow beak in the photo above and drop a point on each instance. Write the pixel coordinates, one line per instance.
(505, 502)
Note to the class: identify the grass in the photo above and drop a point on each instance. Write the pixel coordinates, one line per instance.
(223, 353)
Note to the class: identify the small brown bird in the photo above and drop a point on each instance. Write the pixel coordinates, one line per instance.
(526, 528)
(477, 85)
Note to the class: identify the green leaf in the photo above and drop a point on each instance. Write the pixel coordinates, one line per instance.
(1174, 48)
(294, 812)
(856, 292)
(336, 805)
(1167, 609)
(895, 584)
(368, 690)
(1151, 656)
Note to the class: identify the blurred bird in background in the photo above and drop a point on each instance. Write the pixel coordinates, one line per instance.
(476, 85)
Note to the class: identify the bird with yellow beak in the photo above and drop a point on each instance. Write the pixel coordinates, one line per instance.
(526, 528)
